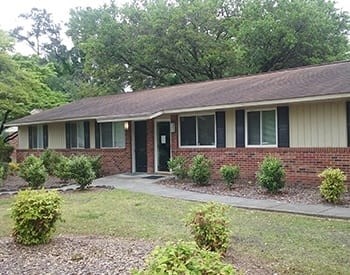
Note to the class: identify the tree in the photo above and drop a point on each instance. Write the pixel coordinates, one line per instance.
(22, 86)
(43, 34)
(277, 34)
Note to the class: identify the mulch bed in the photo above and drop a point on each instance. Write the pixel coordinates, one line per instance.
(15, 183)
(292, 193)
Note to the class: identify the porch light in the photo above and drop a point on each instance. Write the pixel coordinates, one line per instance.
(126, 125)
(172, 127)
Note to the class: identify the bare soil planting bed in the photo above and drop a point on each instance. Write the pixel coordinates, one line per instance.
(292, 193)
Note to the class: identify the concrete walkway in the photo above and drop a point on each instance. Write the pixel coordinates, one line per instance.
(142, 184)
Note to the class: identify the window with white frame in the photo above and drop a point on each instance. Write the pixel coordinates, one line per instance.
(197, 130)
(112, 135)
(36, 137)
(261, 128)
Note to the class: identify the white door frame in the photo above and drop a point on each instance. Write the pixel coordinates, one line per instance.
(156, 143)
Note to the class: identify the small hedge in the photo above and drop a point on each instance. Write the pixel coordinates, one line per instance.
(50, 159)
(209, 226)
(35, 213)
(178, 167)
(200, 170)
(81, 171)
(32, 170)
(229, 173)
(332, 186)
(271, 174)
(185, 258)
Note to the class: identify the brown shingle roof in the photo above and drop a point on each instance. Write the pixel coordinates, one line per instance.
(331, 79)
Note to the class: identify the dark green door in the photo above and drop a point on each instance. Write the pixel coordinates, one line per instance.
(140, 146)
(163, 145)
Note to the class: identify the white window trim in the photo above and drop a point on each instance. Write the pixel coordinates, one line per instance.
(113, 137)
(246, 128)
(196, 115)
(76, 124)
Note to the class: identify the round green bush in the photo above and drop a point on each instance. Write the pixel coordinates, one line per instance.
(209, 226)
(32, 170)
(332, 186)
(271, 174)
(63, 169)
(177, 165)
(185, 258)
(35, 213)
(200, 170)
(50, 160)
(81, 171)
(229, 173)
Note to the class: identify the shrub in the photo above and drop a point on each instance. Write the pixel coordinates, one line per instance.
(96, 164)
(5, 151)
(35, 213)
(50, 159)
(184, 258)
(178, 167)
(32, 170)
(229, 174)
(200, 170)
(4, 170)
(63, 169)
(2, 173)
(271, 174)
(332, 185)
(81, 172)
(13, 168)
(209, 225)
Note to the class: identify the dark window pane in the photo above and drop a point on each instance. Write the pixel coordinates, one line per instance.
(106, 134)
(206, 130)
(268, 127)
(73, 135)
(35, 137)
(253, 128)
(188, 130)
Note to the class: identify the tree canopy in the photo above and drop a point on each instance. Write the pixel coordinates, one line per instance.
(23, 84)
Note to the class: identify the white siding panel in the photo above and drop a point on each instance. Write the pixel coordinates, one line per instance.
(318, 125)
(57, 138)
(230, 128)
(23, 142)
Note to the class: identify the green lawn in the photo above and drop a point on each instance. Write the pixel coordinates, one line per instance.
(283, 242)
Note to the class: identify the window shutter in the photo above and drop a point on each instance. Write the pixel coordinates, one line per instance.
(220, 130)
(283, 126)
(87, 134)
(45, 136)
(68, 134)
(348, 121)
(240, 134)
(97, 135)
(30, 137)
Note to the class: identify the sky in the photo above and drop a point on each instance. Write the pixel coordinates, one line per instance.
(10, 9)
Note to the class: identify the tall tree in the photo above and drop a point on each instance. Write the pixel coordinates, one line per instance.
(277, 34)
(22, 86)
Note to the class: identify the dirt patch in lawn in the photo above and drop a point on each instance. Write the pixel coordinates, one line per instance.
(292, 193)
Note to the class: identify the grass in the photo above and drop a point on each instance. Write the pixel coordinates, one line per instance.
(285, 243)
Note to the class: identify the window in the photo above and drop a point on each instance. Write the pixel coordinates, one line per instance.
(261, 128)
(77, 137)
(197, 130)
(37, 136)
(112, 135)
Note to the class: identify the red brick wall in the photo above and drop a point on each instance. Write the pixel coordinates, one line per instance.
(150, 146)
(302, 164)
(113, 160)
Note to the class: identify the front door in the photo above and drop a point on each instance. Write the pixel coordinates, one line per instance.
(163, 145)
(140, 146)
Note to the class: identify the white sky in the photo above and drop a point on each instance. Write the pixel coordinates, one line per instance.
(10, 9)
